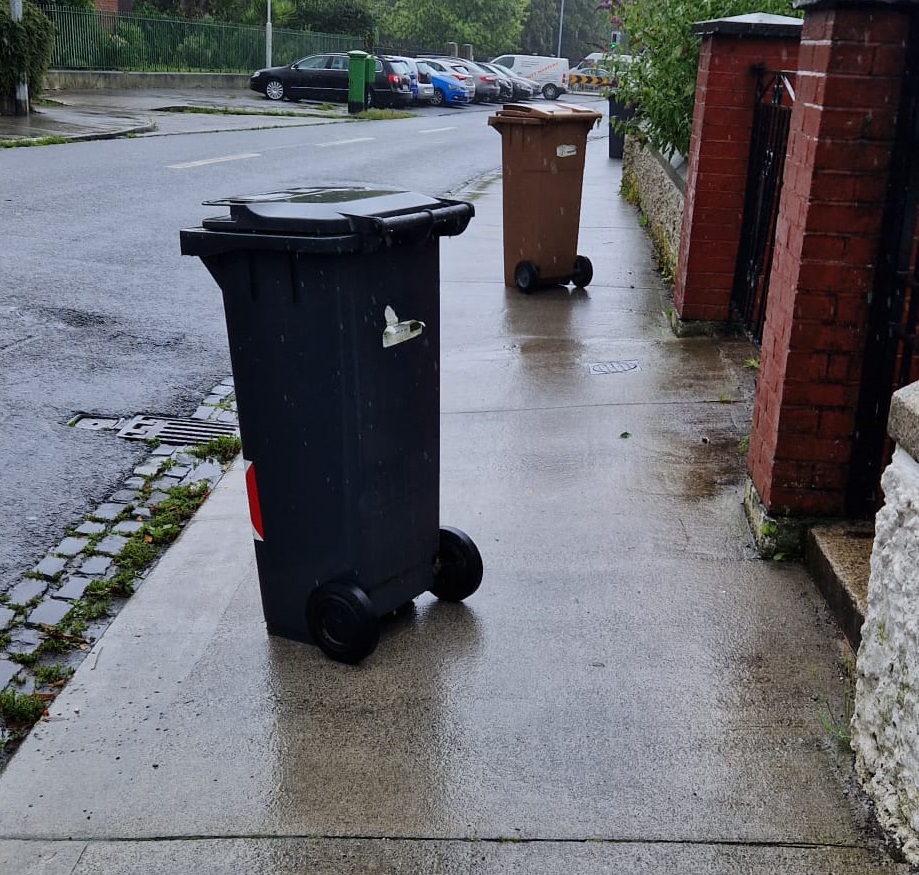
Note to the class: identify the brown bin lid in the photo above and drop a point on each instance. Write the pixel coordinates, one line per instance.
(521, 114)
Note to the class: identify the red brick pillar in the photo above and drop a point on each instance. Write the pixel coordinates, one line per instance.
(718, 151)
(836, 173)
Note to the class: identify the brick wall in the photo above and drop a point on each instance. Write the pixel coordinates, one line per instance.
(718, 153)
(836, 171)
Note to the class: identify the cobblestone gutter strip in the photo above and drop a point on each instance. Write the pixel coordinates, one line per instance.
(51, 617)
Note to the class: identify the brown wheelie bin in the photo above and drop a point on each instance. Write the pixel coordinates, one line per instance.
(543, 169)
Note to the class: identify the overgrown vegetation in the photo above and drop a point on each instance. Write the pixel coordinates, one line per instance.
(141, 549)
(656, 68)
(20, 710)
(25, 46)
(224, 449)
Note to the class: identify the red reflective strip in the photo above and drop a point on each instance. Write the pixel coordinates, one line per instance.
(255, 510)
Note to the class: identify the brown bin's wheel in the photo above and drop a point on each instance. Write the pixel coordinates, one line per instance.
(526, 276)
(583, 271)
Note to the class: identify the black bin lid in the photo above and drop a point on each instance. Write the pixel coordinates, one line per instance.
(316, 211)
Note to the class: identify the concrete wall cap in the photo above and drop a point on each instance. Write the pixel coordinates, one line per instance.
(754, 24)
(903, 422)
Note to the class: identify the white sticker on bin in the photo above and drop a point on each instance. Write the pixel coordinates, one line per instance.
(566, 151)
(397, 332)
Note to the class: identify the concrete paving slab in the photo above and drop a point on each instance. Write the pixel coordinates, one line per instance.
(40, 858)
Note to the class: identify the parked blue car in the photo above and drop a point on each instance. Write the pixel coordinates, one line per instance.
(448, 90)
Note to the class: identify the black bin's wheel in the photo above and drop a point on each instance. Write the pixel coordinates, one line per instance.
(457, 566)
(583, 271)
(342, 621)
(526, 276)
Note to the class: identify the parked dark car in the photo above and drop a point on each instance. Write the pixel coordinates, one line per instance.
(325, 77)
(521, 89)
(504, 82)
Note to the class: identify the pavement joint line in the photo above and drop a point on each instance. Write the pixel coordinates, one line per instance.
(472, 840)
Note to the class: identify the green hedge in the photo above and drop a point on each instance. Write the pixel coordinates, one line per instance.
(24, 45)
(656, 72)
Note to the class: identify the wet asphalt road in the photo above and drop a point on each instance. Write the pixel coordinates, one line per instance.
(100, 314)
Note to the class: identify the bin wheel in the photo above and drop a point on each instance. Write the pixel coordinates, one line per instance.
(342, 621)
(457, 566)
(526, 276)
(583, 271)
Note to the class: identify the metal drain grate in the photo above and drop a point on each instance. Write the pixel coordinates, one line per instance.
(177, 432)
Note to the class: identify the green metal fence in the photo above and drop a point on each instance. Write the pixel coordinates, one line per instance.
(114, 41)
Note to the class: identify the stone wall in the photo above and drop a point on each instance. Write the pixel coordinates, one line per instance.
(88, 80)
(886, 714)
(661, 187)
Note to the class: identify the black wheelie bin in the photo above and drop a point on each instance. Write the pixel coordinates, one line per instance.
(332, 303)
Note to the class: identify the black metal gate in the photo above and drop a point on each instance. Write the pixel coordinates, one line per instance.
(892, 346)
(771, 119)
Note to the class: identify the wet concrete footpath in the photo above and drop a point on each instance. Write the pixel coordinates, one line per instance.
(631, 691)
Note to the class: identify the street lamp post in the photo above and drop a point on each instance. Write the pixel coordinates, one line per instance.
(267, 36)
(22, 85)
(561, 21)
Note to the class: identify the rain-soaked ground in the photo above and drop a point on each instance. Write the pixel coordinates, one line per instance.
(630, 691)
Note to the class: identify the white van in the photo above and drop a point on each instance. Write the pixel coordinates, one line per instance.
(551, 74)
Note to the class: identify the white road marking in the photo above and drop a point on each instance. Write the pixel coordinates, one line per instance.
(436, 130)
(344, 142)
(205, 161)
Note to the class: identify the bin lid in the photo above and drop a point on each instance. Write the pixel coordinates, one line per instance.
(519, 113)
(316, 211)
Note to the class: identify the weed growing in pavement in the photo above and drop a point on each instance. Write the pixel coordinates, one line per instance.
(743, 445)
(629, 189)
(51, 675)
(840, 729)
(752, 363)
(224, 449)
(20, 710)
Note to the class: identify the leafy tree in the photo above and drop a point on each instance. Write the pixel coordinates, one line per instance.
(336, 16)
(585, 28)
(658, 73)
(490, 26)
(25, 46)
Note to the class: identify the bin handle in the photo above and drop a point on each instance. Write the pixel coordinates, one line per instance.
(448, 219)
